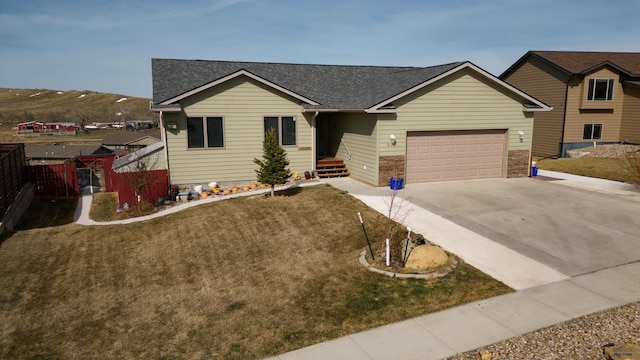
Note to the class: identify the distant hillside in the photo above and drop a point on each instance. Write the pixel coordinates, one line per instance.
(82, 107)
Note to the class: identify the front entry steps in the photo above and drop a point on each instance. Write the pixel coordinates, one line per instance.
(331, 168)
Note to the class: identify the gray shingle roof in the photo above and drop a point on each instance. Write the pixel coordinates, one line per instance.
(126, 137)
(58, 151)
(332, 86)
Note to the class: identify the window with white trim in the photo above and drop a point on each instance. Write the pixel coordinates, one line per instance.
(592, 132)
(285, 127)
(205, 132)
(600, 90)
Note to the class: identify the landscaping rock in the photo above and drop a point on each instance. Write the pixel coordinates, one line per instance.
(419, 239)
(622, 351)
(605, 151)
(573, 154)
(424, 257)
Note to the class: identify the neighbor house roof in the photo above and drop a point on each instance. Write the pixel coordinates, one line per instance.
(135, 156)
(124, 138)
(317, 87)
(581, 62)
(58, 151)
(632, 83)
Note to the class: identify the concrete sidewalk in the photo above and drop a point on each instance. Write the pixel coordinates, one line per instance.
(464, 328)
(544, 297)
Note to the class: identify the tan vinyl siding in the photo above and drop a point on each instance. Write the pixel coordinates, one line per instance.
(609, 113)
(547, 84)
(242, 103)
(359, 133)
(462, 101)
(630, 128)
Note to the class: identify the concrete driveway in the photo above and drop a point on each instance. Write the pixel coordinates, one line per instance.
(569, 229)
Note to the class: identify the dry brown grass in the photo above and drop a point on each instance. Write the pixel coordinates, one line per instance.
(243, 278)
(617, 169)
(105, 205)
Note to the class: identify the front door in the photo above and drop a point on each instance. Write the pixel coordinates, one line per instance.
(321, 139)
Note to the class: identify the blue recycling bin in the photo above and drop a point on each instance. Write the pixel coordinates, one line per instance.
(395, 184)
(534, 170)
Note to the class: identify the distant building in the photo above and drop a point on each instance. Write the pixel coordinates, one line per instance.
(53, 128)
(30, 127)
(139, 124)
(130, 141)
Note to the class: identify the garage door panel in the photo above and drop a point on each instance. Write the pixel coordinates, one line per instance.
(451, 155)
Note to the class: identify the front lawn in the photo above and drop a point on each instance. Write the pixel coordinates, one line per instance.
(244, 278)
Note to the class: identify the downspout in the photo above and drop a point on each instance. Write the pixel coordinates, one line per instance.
(564, 116)
(163, 136)
(314, 149)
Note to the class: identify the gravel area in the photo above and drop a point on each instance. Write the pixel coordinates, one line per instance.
(581, 338)
(606, 151)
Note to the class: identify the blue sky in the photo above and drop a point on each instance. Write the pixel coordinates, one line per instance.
(107, 46)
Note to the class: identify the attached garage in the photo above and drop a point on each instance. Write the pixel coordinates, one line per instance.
(454, 155)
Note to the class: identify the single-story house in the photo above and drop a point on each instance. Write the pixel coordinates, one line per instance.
(595, 98)
(130, 140)
(445, 122)
(46, 154)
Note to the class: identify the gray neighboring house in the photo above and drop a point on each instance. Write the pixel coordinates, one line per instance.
(445, 122)
(46, 154)
(129, 141)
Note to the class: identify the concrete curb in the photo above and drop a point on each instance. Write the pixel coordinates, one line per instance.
(363, 261)
(81, 215)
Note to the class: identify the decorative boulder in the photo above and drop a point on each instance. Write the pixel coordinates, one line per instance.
(425, 257)
(622, 351)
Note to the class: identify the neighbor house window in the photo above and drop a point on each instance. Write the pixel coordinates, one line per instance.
(205, 132)
(592, 132)
(285, 127)
(600, 89)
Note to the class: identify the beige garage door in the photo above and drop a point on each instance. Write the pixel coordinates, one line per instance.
(454, 155)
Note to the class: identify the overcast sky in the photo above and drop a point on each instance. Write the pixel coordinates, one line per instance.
(107, 46)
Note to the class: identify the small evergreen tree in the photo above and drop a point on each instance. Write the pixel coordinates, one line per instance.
(273, 168)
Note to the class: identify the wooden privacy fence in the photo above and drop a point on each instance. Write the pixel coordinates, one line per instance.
(54, 180)
(100, 171)
(66, 180)
(12, 173)
(156, 185)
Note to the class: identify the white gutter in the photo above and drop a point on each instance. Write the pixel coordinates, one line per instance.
(525, 109)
